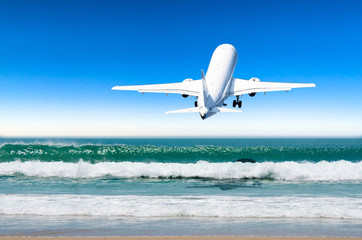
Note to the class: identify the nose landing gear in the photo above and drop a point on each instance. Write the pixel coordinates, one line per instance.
(237, 102)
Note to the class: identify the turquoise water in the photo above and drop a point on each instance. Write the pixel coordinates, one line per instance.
(294, 187)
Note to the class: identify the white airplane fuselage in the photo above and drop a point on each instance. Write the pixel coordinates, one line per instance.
(218, 79)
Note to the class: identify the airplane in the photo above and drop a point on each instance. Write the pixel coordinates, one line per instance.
(216, 86)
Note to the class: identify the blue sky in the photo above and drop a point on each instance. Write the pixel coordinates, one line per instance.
(59, 60)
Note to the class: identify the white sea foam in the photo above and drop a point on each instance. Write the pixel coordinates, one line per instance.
(181, 206)
(290, 171)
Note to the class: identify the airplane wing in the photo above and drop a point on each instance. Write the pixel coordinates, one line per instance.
(188, 87)
(241, 86)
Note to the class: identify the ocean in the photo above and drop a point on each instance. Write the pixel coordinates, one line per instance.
(172, 187)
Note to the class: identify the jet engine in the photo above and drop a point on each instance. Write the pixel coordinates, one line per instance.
(254, 79)
(186, 80)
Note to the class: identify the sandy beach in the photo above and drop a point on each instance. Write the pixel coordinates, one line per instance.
(176, 238)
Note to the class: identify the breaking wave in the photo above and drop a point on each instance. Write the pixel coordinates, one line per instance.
(290, 171)
(181, 206)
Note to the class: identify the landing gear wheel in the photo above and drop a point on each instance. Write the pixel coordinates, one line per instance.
(240, 103)
(234, 103)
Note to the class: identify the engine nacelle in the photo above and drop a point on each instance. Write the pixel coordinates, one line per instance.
(254, 79)
(186, 80)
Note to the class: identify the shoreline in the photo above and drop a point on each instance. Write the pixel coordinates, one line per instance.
(176, 238)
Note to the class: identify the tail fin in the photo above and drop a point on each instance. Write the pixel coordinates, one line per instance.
(185, 110)
(204, 92)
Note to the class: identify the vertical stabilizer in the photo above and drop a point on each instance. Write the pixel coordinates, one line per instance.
(203, 95)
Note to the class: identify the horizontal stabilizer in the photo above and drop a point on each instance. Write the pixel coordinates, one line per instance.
(228, 110)
(185, 110)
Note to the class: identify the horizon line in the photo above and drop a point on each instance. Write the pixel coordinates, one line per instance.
(185, 137)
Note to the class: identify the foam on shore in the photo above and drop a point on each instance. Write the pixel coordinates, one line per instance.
(181, 206)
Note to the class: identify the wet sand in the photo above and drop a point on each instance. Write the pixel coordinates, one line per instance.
(177, 238)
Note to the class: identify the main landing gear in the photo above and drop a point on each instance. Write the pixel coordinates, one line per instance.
(237, 102)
